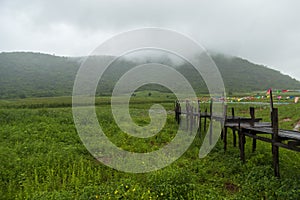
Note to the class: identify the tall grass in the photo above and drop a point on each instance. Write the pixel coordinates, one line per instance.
(42, 157)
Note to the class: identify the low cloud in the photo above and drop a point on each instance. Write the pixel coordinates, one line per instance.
(265, 32)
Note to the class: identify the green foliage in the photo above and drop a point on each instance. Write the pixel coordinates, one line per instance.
(24, 74)
(35, 75)
(240, 75)
(42, 157)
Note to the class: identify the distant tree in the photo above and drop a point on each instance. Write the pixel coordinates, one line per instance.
(22, 96)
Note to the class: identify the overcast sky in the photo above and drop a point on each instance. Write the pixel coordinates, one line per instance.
(262, 31)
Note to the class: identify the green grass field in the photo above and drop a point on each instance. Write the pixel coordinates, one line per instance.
(42, 157)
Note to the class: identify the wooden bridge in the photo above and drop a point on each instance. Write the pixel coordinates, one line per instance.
(251, 127)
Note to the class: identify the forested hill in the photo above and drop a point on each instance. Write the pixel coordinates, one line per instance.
(25, 74)
(35, 75)
(242, 75)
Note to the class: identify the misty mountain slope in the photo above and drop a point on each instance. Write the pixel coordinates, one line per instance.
(35, 75)
(241, 75)
(24, 74)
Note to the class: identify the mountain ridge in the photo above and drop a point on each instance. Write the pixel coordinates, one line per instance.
(30, 74)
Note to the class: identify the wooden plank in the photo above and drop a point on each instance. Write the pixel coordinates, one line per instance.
(259, 129)
(265, 139)
(289, 134)
(250, 127)
(242, 119)
(287, 146)
(269, 140)
(245, 125)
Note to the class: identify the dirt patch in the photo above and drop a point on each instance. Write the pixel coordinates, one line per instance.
(287, 120)
(230, 187)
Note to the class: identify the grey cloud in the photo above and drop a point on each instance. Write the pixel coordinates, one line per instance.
(265, 32)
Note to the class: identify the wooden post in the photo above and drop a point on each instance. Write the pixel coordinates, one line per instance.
(200, 125)
(191, 118)
(241, 142)
(195, 116)
(210, 131)
(222, 134)
(252, 114)
(210, 107)
(177, 111)
(187, 114)
(234, 137)
(211, 122)
(253, 144)
(199, 118)
(271, 101)
(224, 129)
(198, 111)
(179, 114)
(223, 121)
(205, 116)
(271, 106)
(275, 138)
(225, 138)
(233, 130)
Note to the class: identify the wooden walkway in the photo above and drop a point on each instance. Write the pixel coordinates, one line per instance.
(243, 127)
